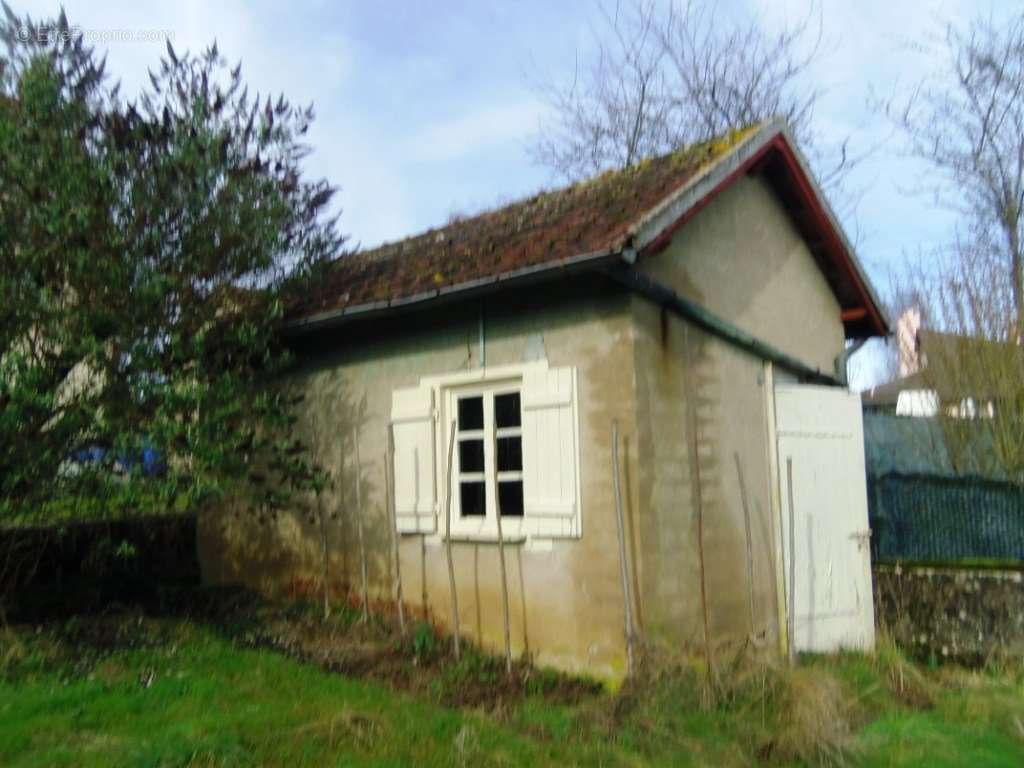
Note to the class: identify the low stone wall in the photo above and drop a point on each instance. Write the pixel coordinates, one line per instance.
(967, 615)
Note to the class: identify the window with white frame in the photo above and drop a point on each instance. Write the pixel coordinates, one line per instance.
(515, 453)
(488, 461)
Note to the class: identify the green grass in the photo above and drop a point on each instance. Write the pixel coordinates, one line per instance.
(210, 702)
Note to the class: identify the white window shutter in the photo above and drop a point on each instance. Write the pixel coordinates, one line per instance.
(550, 450)
(412, 415)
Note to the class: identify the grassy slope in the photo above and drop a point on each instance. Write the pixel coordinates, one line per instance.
(212, 703)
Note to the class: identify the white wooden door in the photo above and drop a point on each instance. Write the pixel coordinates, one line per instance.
(820, 434)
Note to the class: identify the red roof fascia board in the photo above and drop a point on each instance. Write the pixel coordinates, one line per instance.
(661, 241)
(823, 222)
(837, 250)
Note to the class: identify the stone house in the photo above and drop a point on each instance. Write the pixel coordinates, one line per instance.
(677, 298)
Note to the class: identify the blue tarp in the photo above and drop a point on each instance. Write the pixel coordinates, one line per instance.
(147, 457)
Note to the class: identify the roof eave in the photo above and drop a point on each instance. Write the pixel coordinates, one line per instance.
(471, 289)
(876, 307)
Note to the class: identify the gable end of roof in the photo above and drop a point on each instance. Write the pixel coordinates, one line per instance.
(612, 217)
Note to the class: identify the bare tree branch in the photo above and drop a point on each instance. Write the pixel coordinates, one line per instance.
(967, 122)
(666, 76)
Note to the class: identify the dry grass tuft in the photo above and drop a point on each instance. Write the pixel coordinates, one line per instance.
(345, 728)
(903, 678)
(12, 649)
(813, 717)
(805, 713)
(781, 714)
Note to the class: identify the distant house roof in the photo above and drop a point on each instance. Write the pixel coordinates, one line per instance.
(614, 217)
(954, 367)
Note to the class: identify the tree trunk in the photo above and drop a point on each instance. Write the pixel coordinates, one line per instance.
(1017, 265)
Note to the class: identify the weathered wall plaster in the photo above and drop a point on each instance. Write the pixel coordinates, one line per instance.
(740, 257)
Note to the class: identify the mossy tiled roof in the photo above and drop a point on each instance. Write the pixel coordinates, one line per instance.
(588, 217)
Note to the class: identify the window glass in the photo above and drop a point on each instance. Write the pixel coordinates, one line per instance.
(485, 422)
(510, 498)
(471, 413)
(510, 454)
(472, 498)
(471, 456)
(506, 410)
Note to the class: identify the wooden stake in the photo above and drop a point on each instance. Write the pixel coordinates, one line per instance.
(359, 530)
(750, 555)
(448, 543)
(501, 560)
(791, 602)
(389, 501)
(325, 564)
(627, 593)
(698, 500)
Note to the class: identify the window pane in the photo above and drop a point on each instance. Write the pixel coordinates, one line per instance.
(506, 410)
(472, 498)
(471, 455)
(510, 454)
(510, 497)
(471, 413)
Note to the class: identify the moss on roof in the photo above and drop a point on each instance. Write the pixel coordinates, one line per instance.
(590, 216)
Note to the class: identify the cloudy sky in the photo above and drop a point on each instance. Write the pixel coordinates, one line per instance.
(426, 108)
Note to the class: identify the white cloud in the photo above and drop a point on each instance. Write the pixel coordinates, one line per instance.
(474, 131)
(425, 109)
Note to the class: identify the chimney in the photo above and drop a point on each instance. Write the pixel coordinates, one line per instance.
(907, 327)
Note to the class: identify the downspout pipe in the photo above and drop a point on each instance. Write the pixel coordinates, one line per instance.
(843, 361)
(483, 339)
(663, 296)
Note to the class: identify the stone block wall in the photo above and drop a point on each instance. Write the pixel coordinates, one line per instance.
(967, 615)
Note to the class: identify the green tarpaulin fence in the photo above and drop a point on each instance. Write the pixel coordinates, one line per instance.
(924, 509)
(921, 518)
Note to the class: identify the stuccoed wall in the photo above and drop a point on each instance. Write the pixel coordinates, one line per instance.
(743, 259)
(960, 614)
(679, 368)
(566, 603)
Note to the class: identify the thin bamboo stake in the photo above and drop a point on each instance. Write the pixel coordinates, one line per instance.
(325, 562)
(627, 594)
(791, 603)
(698, 499)
(750, 555)
(359, 529)
(389, 501)
(501, 560)
(448, 543)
